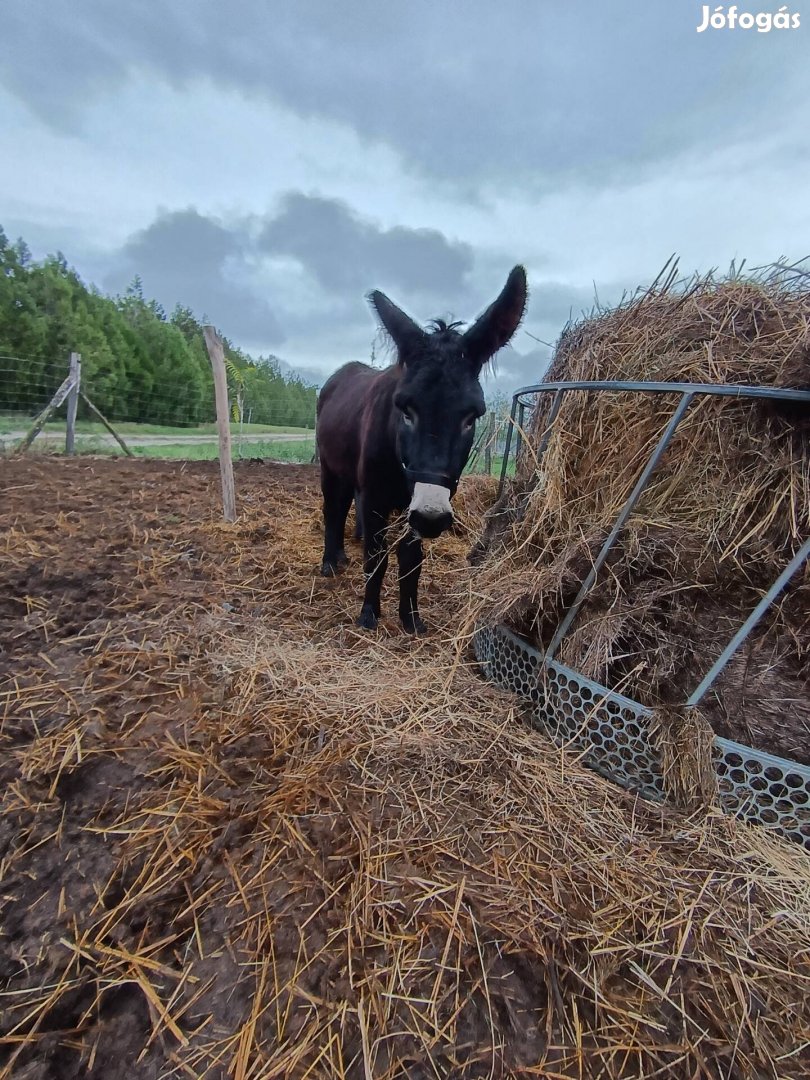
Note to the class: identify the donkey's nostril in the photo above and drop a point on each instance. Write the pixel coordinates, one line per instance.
(432, 511)
(429, 526)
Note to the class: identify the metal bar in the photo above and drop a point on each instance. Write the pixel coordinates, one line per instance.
(749, 624)
(716, 389)
(509, 430)
(521, 430)
(627, 509)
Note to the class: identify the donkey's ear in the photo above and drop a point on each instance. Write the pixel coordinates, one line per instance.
(494, 329)
(406, 334)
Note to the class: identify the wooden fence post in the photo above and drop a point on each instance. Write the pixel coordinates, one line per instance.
(73, 402)
(217, 356)
(105, 422)
(40, 422)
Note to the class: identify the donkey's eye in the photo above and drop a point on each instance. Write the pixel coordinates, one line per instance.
(408, 417)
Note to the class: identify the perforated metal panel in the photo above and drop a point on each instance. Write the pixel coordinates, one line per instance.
(770, 790)
(611, 733)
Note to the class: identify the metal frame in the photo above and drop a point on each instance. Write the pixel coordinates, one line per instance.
(687, 392)
(520, 401)
(611, 734)
(525, 398)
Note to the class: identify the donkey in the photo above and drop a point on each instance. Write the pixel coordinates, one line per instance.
(398, 439)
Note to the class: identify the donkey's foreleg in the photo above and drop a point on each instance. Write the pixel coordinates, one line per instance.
(409, 554)
(375, 563)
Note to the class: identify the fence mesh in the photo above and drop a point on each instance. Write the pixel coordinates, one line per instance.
(165, 416)
(156, 415)
(489, 447)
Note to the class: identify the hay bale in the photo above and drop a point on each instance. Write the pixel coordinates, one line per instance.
(684, 739)
(723, 514)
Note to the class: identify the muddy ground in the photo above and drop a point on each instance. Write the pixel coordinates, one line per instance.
(109, 572)
(100, 561)
(164, 914)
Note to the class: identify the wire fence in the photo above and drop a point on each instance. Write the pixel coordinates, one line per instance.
(27, 384)
(155, 415)
(169, 417)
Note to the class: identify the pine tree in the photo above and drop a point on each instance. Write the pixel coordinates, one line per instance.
(137, 363)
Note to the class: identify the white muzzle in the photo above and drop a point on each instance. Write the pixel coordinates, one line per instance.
(430, 500)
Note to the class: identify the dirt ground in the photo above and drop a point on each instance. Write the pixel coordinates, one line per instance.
(108, 571)
(178, 863)
(96, 556)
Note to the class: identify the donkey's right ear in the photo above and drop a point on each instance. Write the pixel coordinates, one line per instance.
(405, 333)
(497, 325)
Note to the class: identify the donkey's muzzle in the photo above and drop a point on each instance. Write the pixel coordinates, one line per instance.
(424, 476)
(428, 528)
(430, 512)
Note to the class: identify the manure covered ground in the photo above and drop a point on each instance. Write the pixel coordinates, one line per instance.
(240, 838)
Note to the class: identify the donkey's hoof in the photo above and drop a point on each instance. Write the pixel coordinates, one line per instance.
(328, 569)
(412, 624)
(367, 620)
(342, 559)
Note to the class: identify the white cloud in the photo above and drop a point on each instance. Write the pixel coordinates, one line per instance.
(615, 138)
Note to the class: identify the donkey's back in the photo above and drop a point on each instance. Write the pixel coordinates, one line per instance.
(340, 413)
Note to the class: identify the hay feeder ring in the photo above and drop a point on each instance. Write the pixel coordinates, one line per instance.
(611, 731)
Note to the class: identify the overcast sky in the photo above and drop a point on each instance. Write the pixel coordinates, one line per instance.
(268, 162)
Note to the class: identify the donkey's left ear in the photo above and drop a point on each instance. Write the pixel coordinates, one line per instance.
(495, 328)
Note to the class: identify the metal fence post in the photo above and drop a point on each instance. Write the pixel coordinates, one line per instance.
(509, 429)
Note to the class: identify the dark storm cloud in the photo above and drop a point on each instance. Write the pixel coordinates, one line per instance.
(511, 91)
(345, 252)
(215, 268)
(517, 369)
(183, 257)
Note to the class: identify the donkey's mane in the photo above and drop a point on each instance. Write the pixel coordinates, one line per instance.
(441, 326)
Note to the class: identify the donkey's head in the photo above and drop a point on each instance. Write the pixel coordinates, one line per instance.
(439, 398)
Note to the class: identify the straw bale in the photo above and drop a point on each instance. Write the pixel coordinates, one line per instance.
(724, 512)
(684, 739)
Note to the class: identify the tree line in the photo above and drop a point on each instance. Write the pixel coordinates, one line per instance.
(138, 362)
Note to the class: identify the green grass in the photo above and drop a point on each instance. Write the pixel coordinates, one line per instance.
(300, 452)
(91, 427)
(278, 451)
(497, 464)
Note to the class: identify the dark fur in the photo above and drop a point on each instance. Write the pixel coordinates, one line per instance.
(370, 451)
